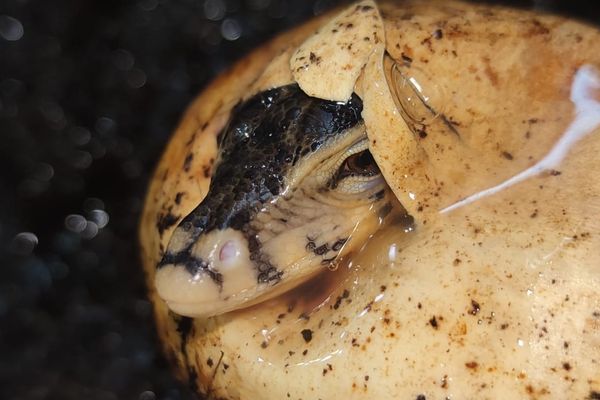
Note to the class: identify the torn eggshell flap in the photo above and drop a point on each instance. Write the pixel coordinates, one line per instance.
(329, 62)
(392, 143)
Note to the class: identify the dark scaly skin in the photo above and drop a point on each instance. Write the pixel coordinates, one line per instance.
(265, 138)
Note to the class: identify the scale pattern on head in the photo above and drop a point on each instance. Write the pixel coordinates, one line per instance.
(265, 138)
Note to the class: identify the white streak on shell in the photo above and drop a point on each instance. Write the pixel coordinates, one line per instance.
(587, 119)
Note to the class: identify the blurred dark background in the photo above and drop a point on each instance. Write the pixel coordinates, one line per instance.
(89, 93)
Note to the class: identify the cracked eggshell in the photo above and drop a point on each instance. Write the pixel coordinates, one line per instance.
(498, 300)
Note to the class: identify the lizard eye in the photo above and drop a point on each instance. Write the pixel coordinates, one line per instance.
(358, 164)
(357, 173)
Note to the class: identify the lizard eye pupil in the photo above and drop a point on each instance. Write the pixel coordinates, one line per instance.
(361, 163)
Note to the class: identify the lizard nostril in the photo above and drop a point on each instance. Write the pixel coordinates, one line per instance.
(228, 251)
